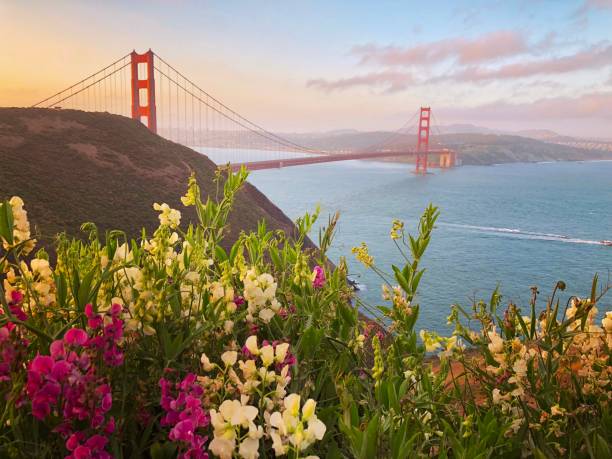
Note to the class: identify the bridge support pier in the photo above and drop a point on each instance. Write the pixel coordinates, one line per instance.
(148, 84)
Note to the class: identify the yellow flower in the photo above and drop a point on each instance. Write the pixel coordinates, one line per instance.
(168, 216)
(397, 229)
(362, 255)
(251, 345)
(431, 340)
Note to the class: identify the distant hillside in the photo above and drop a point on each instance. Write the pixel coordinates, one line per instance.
(72, 167)
(473, 147)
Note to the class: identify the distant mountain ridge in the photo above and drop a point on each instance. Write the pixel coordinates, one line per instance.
(475, 144)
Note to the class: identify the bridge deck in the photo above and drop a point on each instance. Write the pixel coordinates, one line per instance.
(278, 163)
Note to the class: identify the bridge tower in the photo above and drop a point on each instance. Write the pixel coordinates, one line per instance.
(148, 84)
(423, 141)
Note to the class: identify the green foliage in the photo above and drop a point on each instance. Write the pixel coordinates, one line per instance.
(263, 321)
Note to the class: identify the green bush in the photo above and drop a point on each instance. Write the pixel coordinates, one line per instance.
(172, 346)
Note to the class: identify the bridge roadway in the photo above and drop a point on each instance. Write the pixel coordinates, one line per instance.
(328, 158)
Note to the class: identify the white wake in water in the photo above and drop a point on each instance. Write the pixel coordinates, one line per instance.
(515, 232)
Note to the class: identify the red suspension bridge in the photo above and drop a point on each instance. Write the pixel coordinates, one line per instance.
(147, 88)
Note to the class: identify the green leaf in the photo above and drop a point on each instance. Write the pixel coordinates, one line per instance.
(401, 279)
(165, 450)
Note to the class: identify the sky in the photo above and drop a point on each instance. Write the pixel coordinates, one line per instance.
(297, 66)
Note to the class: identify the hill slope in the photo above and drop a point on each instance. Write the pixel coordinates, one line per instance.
(72, 167)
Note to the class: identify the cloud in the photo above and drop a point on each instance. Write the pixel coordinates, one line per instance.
(580, 14)
(595, 57)
(597, 105)
(388, 81)
(489, 47)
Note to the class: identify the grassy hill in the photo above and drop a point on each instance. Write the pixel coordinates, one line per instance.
(72, 167)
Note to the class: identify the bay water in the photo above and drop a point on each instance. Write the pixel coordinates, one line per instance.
(512, 226)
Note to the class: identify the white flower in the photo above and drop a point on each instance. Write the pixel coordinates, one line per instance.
(266, 315)
(168, 216)
(249, 448)
(229, 358)
(292, 404)
(222, 447)
(496, 346)
(206, 363)
(520, 368)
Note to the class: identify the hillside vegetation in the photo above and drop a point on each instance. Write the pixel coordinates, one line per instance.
(74, 167)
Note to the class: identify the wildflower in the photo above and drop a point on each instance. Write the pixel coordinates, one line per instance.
(378, 368)
(556, 410)
(607, 322)
(260, 295)
(289, 429)
(362, 255)
(185, 414)
(168, 216)
(206, 362)
(192, 192)
(496, 346)
(227, 423)
(66, 381)
(229, 358)
(21, 226)
(431, 340)
(397, 229)
(318, 277)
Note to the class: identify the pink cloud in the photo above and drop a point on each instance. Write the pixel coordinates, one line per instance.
(597, 105)
(487, 47)
(598, 4)
(595, 57)
(389, 81)
(580, 15)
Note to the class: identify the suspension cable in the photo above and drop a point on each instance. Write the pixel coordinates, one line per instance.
(78, 83)
(263, 133)
(238, 115)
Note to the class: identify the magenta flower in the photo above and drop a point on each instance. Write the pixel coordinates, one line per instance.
(184, 412)
(318, 280)
(75, 336)
(70, 384)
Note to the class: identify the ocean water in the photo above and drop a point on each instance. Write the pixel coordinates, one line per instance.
(514, 225)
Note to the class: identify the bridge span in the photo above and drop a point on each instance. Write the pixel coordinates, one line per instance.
(148, 89)
(447, 159)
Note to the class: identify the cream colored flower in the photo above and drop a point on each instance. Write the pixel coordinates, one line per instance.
(281, 352)
(229, 358)
(249, 448)
(168, 216)
(206, 363)
(607, 322)
(251, 345)
(496, 346)
(267, 355)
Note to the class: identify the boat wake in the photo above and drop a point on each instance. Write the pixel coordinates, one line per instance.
(518, 233)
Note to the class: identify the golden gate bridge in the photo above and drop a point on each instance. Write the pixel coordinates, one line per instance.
(147, 88)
